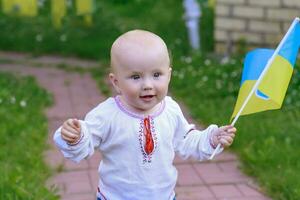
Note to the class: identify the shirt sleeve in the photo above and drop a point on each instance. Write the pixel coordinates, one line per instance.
(93, 129)
(189, 142)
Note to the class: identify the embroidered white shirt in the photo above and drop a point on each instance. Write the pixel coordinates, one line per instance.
(126, 170)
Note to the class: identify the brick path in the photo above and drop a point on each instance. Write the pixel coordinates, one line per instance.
(74, 95)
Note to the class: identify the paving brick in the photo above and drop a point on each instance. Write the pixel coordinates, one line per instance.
(70, 165)
(243, 198)
(210, 173)
(194, 192)
(248, 191)
(231, 166)
(226, 191)
(94, 178)
(225, 156)
(54, 158)
(187, 175)
(196, 180)
(77, 187)
(84, 196)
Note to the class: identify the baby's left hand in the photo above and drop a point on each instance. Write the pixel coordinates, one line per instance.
(223, 135)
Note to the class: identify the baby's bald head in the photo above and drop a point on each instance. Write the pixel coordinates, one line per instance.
(137, 48)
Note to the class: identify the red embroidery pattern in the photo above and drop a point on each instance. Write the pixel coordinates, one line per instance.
(149, 144)
(147, 139)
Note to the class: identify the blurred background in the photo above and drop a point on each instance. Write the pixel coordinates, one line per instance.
(208, 40)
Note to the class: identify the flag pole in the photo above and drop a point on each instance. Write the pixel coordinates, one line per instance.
(296, 20)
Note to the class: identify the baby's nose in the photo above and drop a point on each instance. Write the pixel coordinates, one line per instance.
(147, 85)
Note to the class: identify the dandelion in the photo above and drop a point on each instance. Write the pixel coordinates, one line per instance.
(199, 85)
(41, 3)
(224, 75)
(38, 37)
(182, 58)
(181, 75)
(23, 103)
(188, 60)
(199, 72)
(234, 74)
(233, 61)
(69, 3)
(177, 41)
(230, 87)
(63, 37)
(218, 84)
(190, 68)
(12, 100)
(224, 60)
(174, 73)
(194, 73)
(207, 62)
(204, 78)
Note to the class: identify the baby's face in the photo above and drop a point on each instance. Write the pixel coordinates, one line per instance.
(142, 77)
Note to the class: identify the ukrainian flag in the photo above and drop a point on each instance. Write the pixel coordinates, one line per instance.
(85, 8)
(271, 90)
(20, 7)
(58, 11)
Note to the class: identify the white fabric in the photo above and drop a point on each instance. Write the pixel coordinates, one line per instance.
(124, 171)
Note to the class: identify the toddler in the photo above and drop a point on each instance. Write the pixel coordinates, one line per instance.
(139, 130)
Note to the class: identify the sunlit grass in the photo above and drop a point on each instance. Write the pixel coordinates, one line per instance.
(23, 133)
(267, 142)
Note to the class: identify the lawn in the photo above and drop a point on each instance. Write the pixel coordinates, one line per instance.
(267, 142)
(23, 133)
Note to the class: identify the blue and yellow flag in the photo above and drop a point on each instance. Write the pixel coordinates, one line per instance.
(20, 7)
(85, 8)
(58, 11)
(271, 90)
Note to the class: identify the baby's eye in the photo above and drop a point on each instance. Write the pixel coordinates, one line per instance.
(135, 77)
(156, 74)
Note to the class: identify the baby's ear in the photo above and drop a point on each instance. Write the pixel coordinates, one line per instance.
(170, 72)
(114, 81)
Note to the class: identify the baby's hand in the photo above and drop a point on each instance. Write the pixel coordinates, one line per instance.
(223, 135)
(70, 131)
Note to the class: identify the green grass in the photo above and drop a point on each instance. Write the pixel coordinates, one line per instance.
(111, 18)
(266, 142)
(23, 133)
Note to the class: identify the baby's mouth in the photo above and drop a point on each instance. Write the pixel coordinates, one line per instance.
(147, 97)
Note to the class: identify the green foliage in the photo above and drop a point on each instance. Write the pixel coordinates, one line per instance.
(111, 18)
(23, 133)
(267, 142)
(207, 27)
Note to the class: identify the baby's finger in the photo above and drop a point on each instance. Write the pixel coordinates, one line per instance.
(232, 130)
(67, 139)
(225, 127)
(225, 142)
(76, 123)
(68, 135)
(73, 124)
(72, 130)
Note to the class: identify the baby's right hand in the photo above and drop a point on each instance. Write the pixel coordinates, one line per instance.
(71, 130)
